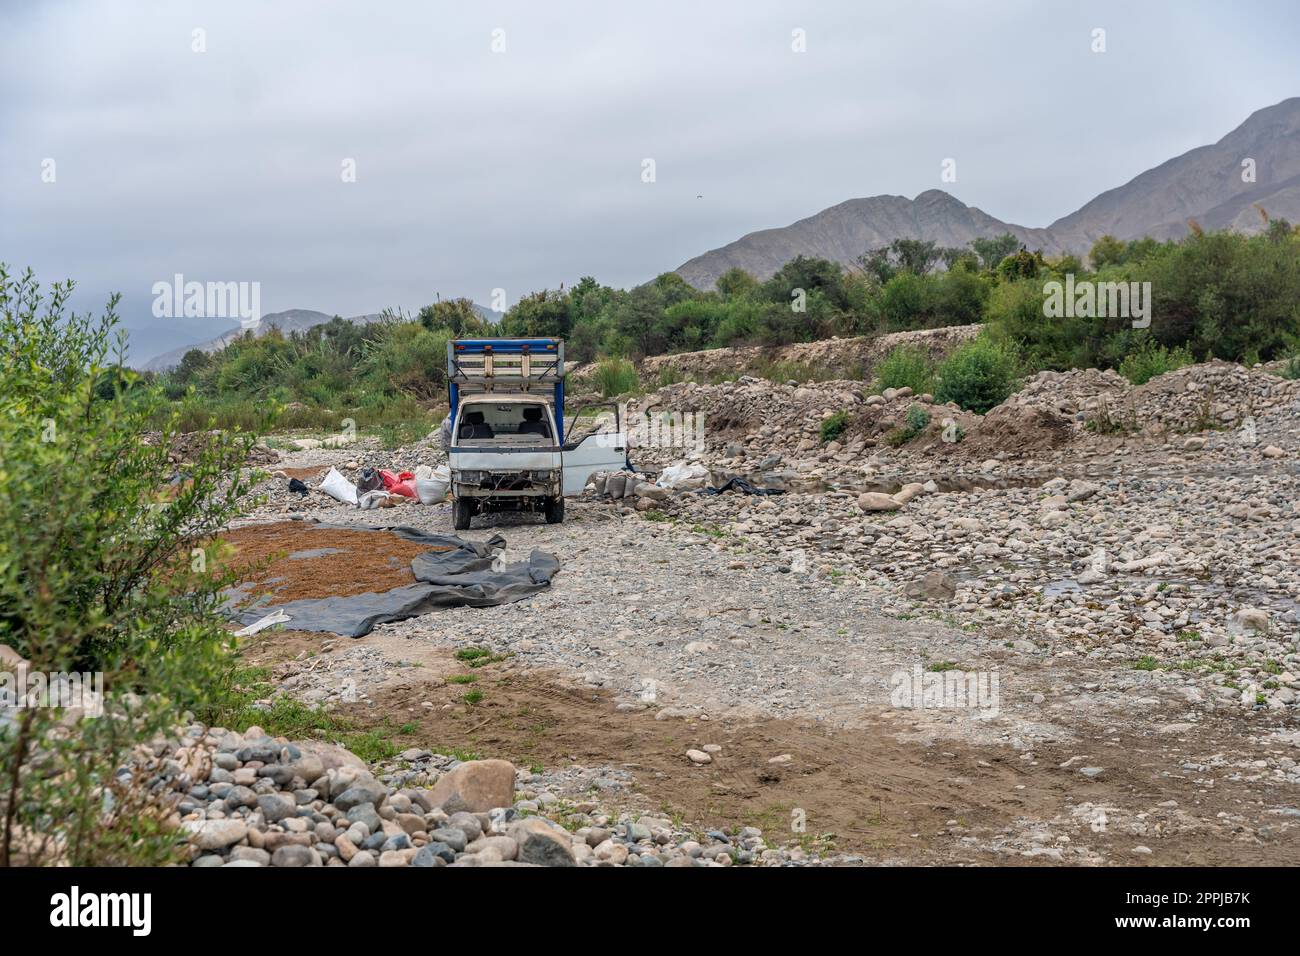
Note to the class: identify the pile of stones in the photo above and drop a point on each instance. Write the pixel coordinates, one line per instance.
(253, 800)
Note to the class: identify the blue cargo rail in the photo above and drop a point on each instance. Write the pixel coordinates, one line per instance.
(485, 366)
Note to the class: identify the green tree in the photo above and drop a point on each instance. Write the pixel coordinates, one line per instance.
(457, 316)
(736, 283)
(993, 249)
(542, 314)
(1022, 265)
(1106, 251)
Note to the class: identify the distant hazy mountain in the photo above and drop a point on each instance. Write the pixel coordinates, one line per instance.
(287, 322)
(1205, 183)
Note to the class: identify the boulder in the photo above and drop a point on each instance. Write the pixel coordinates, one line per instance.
(215, 834)
(908, 492)
(878, 501)
(363, 790)
(935, 586)
(475, 786)
(542, 844)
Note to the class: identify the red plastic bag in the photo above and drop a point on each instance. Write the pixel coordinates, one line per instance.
(399, 484)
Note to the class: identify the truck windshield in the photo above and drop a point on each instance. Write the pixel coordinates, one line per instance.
(514, 422)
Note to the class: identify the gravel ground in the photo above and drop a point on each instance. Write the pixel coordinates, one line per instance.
(1141, 580)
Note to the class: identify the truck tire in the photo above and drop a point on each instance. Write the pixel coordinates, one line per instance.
(462, 510)
(554, 510)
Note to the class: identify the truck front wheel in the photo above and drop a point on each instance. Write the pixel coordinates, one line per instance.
(554, 510)
(462, 509)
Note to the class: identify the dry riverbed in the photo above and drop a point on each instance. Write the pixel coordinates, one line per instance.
(1142, 713)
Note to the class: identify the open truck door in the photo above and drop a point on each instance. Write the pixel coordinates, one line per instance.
(603, 448)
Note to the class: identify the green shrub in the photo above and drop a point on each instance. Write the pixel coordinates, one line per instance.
(978, 376)
(615, 376)
(915, 422)
(790, 370)
(917, 419)
(105, 568)
(1291, 369)
(907, 366)
(1150, 360)
(833, 427)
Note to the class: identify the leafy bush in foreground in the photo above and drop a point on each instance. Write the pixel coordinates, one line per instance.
(106, 568)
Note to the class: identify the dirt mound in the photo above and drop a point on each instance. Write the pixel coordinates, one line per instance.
(772, 417)
(1017, 430)
(761, 422)
(1211, 395)
(1068, 393)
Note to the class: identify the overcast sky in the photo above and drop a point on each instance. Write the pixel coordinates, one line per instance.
(522, 169)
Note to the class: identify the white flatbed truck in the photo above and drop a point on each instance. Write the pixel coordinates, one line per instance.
(509, 450)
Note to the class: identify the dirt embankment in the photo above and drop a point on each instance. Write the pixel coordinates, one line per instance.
(850, 358)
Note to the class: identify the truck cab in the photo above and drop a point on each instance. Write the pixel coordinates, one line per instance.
(508, 448)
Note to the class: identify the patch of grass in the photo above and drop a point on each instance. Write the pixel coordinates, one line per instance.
(1150, 360)
(286, 717)
(792, 371)
(1146, 663)
(462, 678)
(615, 376)
(938, 667)
(709, 531)
(1291, 369)
(459, 753)
(478, 656)
(670, 375)
(1105, 422)
(405, 432)
(472, 697)
(370, 746)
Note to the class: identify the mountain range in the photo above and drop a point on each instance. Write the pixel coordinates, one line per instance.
(1222, 186)
(1231, 184)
